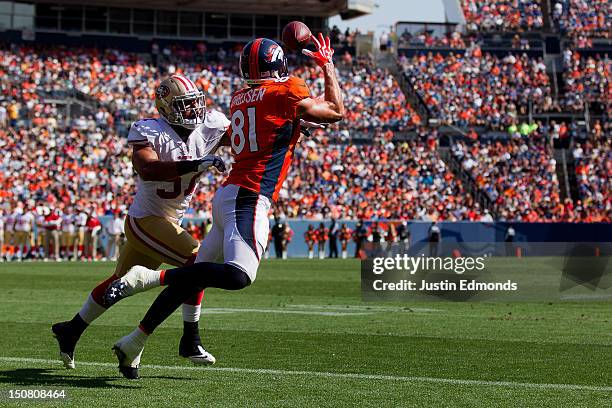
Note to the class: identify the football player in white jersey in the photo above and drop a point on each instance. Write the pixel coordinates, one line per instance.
(169, 154)
(24, 224)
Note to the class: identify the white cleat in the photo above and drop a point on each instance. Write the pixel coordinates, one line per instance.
(128, 353)
(197, 355)
(203, 358)
(137, 279)
(67, 360)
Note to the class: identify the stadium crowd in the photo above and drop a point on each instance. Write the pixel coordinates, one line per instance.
(593, 163)
(362, 182)
(502, 15)
(518, 175)
(427, 39)
(56, 164)
(479, 88)
(587, 79)
(583, 20)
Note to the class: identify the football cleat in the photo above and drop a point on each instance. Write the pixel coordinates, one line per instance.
(137, 279)
(193, 350)
(128, 355)
(67, 341)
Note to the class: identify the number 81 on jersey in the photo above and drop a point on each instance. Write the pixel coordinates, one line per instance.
(238, 139)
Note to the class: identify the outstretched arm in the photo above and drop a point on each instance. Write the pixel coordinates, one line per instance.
(331, 108)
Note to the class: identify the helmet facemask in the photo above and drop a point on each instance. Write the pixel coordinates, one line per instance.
(188, 110)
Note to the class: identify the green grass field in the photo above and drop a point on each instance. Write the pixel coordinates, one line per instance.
(301, 336)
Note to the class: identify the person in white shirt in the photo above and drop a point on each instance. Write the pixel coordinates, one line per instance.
(68, 238)
(81, 227)
(114, 229)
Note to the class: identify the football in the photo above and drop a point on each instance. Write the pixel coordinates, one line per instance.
(296, 35)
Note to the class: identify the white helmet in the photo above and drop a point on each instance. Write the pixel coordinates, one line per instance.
(180, 102)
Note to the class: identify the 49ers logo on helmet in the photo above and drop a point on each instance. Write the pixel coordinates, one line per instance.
(162, 91)
(274, 54)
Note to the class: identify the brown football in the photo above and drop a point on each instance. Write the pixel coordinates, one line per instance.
(296, 35)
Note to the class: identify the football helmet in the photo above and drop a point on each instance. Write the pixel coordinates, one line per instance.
(262, 60)
(180, 102)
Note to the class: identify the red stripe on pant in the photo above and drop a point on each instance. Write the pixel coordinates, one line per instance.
(97, 294)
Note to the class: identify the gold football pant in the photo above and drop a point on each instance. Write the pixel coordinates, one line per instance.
(152, 241)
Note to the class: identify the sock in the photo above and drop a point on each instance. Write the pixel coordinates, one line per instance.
(91, 310)
(191, 330)
(164, 305)
(185, 282)
(78, 324)
(310, 254)
(192, 308)
(138, 337)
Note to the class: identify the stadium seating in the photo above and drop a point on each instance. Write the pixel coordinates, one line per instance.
(518, 175)
(587, 79)
(479, 88)
(502, 15)
(84, 161)
(381, 181)
(583, 20)
(593, 162)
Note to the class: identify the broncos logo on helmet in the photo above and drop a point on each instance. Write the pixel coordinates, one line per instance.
(261, 60)
(274, 53)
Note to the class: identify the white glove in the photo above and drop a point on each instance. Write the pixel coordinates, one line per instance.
(211, 161)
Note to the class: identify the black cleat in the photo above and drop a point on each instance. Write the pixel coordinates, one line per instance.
(128, 372)
(191, 348)
(67, 340)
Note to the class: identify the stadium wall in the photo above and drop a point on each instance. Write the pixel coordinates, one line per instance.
(455, 232)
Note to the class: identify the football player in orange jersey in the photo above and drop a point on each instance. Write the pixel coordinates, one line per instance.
(265, 128)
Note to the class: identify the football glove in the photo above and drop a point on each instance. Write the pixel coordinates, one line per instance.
(211, 161)
(324, 53)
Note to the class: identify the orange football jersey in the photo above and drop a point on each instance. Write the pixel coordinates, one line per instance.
(264, 131)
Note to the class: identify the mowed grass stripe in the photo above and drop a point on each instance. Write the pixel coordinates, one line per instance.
(364, 377)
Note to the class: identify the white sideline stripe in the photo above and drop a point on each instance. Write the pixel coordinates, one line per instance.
(324, 374)
(227, 310)
(367, 308)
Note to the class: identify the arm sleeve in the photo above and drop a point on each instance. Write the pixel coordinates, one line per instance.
(297, 91)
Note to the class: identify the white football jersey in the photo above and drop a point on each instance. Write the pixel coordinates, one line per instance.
(68, 223)
(23, 222)
(9, 223)
(170, 199)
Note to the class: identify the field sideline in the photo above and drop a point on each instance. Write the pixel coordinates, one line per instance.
(301, 336)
